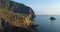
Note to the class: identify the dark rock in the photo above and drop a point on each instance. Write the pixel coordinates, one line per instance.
(16, 29)
(52, 18)
(3, 22)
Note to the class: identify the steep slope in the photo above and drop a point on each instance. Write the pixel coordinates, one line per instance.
(13, 14)
(15, 19)
(17, 7)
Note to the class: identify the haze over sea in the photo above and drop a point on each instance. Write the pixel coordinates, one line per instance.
(46, 25)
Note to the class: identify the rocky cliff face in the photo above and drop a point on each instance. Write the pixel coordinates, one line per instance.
(17, 7)
(13, 14)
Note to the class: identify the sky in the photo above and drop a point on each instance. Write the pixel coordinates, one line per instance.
(43, 7)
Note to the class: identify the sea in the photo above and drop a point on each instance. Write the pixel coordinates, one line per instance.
(46, 25)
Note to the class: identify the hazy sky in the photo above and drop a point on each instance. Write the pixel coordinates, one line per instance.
(43, 7)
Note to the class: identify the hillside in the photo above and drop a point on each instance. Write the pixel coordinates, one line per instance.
(17, 7)
(13, 14)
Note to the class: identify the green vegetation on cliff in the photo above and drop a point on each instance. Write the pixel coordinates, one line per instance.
(15, 14)
(17, 7)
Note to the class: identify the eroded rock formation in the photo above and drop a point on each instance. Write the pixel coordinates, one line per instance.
(13, 14)
(17, 7)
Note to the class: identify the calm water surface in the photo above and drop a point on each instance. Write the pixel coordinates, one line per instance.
(46, 25)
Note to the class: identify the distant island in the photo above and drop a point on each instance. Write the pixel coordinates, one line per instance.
(52, 18)
(14, 16)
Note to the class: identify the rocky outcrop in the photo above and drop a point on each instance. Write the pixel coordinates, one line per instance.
(13, 14)
(10, 19)
(52, 18)
(17, 7)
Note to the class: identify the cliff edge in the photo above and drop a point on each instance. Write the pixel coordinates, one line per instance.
(13, 14)
(17, 7)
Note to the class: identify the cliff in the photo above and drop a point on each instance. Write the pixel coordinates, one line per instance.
(13, 14)
(18, 7)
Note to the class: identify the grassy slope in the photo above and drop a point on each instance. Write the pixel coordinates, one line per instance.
(7, 15)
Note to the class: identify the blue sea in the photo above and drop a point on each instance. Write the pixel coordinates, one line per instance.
(46, 25)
